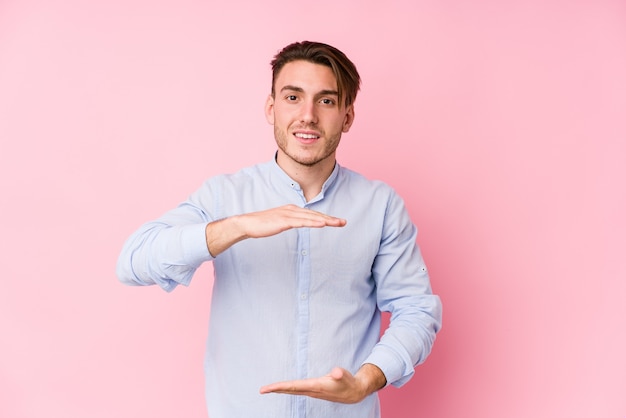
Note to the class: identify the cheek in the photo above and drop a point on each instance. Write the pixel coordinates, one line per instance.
(281, 117)
(281, 122)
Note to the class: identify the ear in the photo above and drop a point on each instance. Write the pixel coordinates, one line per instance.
(348, 119)
(269, 109)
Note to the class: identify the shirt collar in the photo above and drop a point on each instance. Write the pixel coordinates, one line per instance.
(292, 184)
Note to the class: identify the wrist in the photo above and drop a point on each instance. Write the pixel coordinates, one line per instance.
(222, 234)
(371, 379)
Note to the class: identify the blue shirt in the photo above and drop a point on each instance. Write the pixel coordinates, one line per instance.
(296, 304)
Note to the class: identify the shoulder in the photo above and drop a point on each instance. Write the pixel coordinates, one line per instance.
(246, 175)
(215, 191)
(352, 179)
(377, 196)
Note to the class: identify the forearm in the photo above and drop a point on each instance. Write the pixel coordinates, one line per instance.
(221, 235)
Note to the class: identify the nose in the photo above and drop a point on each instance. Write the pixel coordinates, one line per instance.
(308, 112)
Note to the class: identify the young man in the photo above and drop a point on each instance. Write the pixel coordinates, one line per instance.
(306, 255)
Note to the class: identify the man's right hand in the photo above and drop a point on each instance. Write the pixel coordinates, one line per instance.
(222, 234)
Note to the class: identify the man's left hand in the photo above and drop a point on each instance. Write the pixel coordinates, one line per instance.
(337, 386)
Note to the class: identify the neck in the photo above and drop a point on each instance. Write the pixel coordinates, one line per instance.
(310, 178)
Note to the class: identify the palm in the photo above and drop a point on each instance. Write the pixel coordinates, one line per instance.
(337, 386)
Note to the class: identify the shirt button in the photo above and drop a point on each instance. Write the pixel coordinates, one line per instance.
(304, 252)
(303, 296)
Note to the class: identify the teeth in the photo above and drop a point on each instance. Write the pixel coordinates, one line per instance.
(306, 136)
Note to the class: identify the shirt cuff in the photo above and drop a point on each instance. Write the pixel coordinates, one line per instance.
(185, 250)
(392, 366)
(193, 244)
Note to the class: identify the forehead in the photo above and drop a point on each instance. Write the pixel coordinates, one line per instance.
(307, 76)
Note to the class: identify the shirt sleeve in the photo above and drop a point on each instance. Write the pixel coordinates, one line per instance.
(167, 251)
(404, 290)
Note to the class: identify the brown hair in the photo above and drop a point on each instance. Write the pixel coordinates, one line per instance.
(348, 79)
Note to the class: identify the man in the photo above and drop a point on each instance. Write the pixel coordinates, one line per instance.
(306, 254)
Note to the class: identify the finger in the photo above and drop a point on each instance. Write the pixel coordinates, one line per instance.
(314, 222)
(290, 386)
(327, 220)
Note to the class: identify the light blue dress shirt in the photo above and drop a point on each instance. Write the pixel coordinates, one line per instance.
(296, 304)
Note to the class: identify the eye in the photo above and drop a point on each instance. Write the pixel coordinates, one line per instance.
(327, 101)
(291, 98)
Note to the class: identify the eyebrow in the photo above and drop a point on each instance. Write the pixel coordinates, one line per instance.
(319, 93)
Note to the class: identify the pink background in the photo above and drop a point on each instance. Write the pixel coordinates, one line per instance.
(503, 124)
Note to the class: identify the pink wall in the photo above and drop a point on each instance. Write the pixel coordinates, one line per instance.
(501, 123)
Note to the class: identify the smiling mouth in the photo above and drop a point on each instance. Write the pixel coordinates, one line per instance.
(306, 136)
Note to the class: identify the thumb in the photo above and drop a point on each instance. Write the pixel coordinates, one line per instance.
(337, 373)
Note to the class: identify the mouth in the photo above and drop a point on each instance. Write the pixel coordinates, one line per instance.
(306, 137)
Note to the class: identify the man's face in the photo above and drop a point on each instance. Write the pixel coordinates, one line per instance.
(307, 117)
